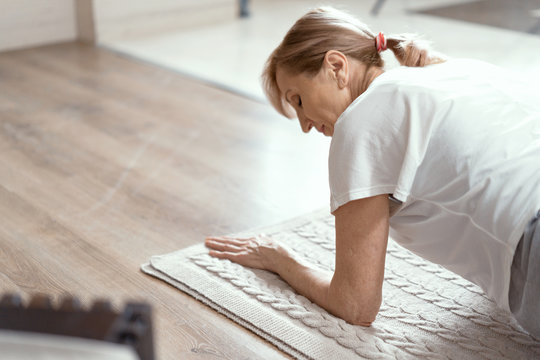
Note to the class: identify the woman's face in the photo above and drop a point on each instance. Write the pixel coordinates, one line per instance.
(317, 100)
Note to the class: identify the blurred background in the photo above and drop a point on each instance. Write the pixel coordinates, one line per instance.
(225, 42)
(220, 44)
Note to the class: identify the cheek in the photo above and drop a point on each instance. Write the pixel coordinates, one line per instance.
(314, 106)
(325, 100)
(322, 108)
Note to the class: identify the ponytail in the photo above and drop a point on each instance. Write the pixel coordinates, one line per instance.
(411, 51)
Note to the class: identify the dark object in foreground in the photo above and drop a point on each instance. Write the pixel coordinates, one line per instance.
(132, 326)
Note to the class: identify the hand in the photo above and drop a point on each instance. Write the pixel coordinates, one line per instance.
(259, 252)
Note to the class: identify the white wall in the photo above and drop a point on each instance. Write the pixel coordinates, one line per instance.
(25, 23)
(127, 18)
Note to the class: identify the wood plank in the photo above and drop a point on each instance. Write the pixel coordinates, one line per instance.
(105, 162)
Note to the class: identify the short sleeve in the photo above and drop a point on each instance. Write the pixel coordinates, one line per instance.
(377, 146)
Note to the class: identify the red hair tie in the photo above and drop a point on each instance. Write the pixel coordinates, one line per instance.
(380, 42)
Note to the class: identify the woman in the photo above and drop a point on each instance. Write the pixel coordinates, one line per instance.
(442, 154)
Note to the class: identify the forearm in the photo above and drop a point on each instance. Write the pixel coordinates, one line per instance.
(304, 277)
(333, 293)
(353, 295)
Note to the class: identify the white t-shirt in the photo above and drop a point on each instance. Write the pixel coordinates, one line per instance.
(459, 144)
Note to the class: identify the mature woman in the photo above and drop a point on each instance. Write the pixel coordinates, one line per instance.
(443, 154)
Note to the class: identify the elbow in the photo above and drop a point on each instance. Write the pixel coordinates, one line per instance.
(363, 314)
(364, 317)
(355, 306)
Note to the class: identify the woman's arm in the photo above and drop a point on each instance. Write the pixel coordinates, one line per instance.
(361, 239)
(354, 291)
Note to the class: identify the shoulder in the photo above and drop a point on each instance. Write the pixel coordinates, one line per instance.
(437, 75)
(385, 103)
(422, 86)
(406, 95)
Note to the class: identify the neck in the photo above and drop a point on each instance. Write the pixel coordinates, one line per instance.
(362, 76)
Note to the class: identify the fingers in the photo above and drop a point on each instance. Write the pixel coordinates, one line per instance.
(229, 240)
(239, 250)
(224, 245)
(233, 256)
(253, 252)
(232, 243)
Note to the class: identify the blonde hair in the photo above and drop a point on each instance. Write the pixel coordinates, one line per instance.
(304, 47)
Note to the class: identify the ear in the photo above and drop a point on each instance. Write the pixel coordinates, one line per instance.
(337, 66)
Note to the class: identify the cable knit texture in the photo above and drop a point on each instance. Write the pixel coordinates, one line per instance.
(427, 311)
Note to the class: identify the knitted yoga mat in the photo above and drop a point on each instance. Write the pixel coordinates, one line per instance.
(427, 311)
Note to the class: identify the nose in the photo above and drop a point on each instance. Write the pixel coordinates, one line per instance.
(305, 123)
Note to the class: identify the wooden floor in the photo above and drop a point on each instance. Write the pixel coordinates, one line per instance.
(105, 161)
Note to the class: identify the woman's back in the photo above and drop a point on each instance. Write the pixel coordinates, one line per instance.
(459, 144)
